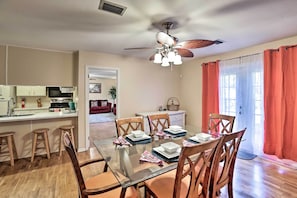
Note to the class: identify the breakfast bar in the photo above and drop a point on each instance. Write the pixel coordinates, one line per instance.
(24, 124)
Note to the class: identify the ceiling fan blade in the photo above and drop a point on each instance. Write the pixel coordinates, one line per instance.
(197, 43)
(184, 52)
(138, 48)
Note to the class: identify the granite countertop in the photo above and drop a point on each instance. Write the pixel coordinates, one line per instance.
(37, 116)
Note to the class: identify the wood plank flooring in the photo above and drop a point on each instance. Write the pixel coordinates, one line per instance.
(55, 178)
(52, 178)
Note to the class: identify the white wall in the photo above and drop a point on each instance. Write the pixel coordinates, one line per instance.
(143, 85)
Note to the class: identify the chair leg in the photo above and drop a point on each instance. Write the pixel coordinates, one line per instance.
(46, 142)
(230, 189)
(10, 148)
(61, 143)
(34, 147)
(14, 149)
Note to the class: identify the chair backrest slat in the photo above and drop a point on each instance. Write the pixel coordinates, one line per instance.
(224, 162)
(200, 156)
(125, 125)
(158, 122)
(220, 123)
(72, 154)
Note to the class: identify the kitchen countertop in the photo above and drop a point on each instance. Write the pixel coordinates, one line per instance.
(37, 116)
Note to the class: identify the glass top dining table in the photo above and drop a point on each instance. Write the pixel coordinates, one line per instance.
(124, 161)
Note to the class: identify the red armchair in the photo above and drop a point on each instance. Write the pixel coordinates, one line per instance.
(99, 106)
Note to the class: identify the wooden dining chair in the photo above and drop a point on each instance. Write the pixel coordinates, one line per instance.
(220, 123)
(186, 181)
(224, 163)
(158, 122)
(125, 125)
(102, 185)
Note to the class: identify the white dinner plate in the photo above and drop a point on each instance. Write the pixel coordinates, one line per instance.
(162, 151)
(135, 139)
(196, 139)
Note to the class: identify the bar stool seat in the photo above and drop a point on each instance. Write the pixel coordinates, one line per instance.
(63, 130)
(7, 140)
(40, 136)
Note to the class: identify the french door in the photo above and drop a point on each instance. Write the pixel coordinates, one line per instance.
(241, 95)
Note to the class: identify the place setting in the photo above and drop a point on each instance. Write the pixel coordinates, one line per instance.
(201, 137)
(138, 137)
(176, 131)
(168, 151)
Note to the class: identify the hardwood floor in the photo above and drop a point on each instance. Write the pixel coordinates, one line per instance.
(55, 177)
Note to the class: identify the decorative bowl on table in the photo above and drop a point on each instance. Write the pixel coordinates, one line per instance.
(170, 147)
(137, 133)
(175, 128)
(203, 136)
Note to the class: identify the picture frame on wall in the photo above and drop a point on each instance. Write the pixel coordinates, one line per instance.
(95, 88)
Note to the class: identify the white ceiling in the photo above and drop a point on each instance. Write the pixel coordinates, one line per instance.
(79, 25)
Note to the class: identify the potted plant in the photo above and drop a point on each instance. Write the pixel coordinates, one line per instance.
(113, 93)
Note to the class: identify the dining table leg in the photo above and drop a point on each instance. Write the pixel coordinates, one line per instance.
(123, 192)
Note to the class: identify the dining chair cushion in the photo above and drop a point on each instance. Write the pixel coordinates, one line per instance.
(163, 185)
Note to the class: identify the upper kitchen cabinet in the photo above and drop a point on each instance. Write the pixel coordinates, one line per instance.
(40, 67)
(31, 91)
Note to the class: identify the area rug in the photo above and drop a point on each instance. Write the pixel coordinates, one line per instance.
(101, 117)
(245, 155)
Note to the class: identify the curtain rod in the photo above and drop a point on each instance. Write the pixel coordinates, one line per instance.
(243, 56)
(234, 58)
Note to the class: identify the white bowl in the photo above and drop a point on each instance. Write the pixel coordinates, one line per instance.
(137, 133)
(203, 136)
(175, 127)
(170, 147)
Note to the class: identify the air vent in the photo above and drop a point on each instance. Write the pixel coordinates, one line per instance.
(112, 7)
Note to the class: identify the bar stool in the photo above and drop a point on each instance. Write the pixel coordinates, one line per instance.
(7, 140)
(40, 137)
(63, 130)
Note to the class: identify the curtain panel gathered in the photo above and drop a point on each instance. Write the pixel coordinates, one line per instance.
(280, 102)
(210, 91)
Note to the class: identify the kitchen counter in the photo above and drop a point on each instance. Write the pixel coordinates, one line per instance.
(37, 116)
(24, 124)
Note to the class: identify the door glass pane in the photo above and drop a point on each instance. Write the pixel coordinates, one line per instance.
(241, 95)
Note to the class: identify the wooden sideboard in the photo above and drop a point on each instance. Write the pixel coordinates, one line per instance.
(176, 118)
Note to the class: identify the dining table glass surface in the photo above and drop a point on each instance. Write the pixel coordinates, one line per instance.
(124, 160)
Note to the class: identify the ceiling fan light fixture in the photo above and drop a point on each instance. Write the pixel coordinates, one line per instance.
(158, 58)
(171, 56)
(165, 62)
(177, 60)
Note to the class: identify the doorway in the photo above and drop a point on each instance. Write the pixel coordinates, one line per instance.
(241, 95)
(100, 123)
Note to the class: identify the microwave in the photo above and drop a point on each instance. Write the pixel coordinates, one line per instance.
(56, 92)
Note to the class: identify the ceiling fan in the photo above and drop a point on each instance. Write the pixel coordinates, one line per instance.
(170, 45)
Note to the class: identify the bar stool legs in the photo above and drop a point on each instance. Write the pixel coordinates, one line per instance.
(64, 129)
(7, 140)
(40, 136)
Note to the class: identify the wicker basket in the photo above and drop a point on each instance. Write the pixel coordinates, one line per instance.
(173, 104)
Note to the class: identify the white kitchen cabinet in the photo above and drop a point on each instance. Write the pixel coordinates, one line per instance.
(7, 91)
(176, 118)
(31, 91)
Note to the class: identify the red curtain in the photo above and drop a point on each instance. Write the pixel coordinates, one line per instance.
(210, 91)
(280, 102)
